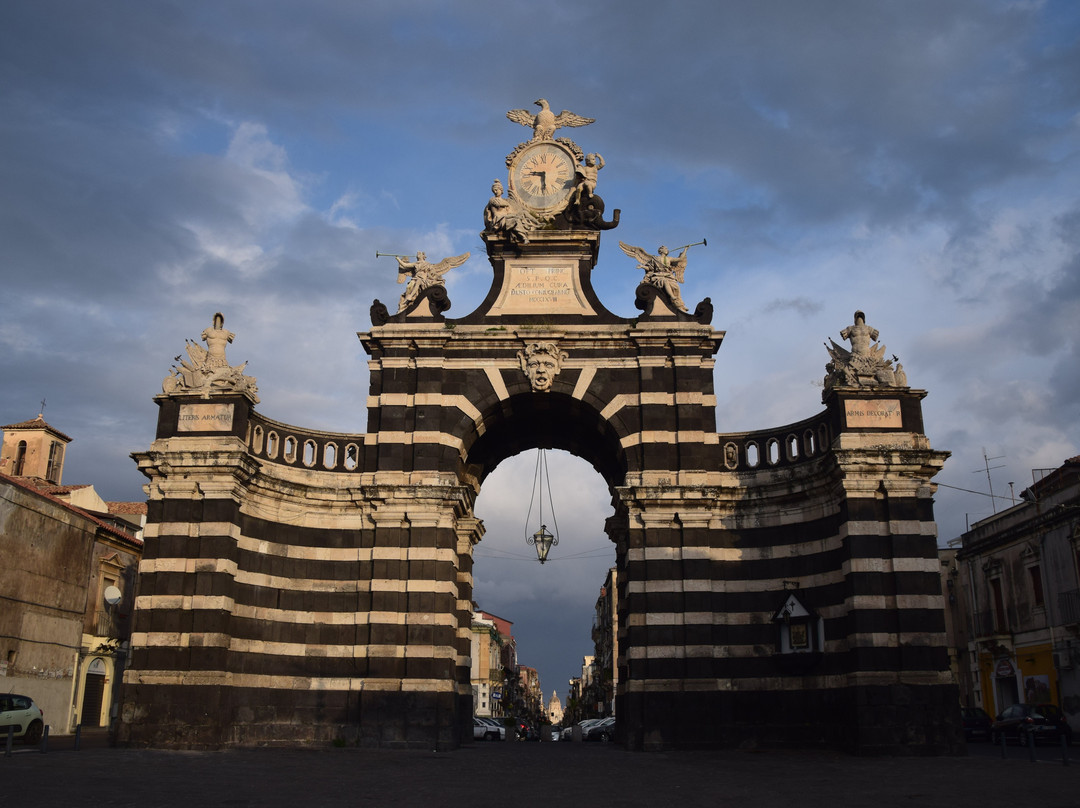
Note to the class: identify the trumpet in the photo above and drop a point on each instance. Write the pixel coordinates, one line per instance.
(390, 255)
(688, 246)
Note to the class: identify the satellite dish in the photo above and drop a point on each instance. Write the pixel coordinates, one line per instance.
(112, 595)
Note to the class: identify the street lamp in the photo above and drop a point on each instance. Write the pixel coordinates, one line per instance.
(543, 540)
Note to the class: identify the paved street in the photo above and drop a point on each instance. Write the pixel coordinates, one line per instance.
(519, 774)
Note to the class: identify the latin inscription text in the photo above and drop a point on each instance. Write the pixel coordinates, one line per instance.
(881, 412)
(205, 418)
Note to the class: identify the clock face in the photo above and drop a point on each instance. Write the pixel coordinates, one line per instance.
(543, 176)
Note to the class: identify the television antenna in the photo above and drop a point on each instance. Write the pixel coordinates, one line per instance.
(988, 468)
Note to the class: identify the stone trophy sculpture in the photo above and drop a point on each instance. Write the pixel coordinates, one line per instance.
(206, 370)
(865, 364)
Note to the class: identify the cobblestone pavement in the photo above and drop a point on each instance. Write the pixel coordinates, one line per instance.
(520, 774)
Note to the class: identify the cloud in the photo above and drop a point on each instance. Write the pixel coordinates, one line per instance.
(914, 160)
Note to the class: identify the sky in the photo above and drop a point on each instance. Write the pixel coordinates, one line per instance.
(917, 160)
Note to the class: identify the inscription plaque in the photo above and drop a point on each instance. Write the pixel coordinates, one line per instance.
(547, 287)
(205, 418)
(878, 412)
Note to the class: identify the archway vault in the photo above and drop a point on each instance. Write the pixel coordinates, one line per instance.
(549, 422)
(779, 586)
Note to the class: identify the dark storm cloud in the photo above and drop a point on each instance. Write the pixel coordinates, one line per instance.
(835, 109)
(918, 160)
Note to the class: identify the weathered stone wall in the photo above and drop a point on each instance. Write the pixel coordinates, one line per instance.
(46, 551)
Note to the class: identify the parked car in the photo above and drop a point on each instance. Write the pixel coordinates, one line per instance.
(1043, 722)
(568, 732)
(526, 732)
(976, 723)
(483, 731)
(556, 733)
(498, 724)
(21, 713)
(600, 731)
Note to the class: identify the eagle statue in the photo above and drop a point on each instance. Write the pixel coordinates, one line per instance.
(545, 122)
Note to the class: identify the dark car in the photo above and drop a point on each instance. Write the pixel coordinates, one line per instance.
(976, 723)
(600, 731)
(526, 732)
(1021, 722)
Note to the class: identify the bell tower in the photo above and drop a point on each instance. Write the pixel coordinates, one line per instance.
(34, 449)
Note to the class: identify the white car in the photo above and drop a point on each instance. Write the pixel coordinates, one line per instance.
(21, 713)
(488, 729)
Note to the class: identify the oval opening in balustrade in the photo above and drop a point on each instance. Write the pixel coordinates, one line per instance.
(329, 458)
(352, 457)
(257, 440)
(290, 449)
(310, 453)
(272, 445)
(772, 451)
(753, 455)
(792, 447)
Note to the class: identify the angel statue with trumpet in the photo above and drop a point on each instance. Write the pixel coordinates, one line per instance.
(421, 274)
(661, 270)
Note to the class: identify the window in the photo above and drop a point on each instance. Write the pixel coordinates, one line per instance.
(1036, 586)
(999, 605)
(56, 462)
(20, 459)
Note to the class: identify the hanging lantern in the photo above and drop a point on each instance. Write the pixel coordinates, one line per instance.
(543, 541)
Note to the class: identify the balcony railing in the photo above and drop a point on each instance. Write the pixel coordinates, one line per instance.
(1069, 606)
(106, 625)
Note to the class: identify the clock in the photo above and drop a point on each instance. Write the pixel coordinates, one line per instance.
(542, 176)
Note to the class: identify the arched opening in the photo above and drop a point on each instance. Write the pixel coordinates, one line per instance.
(562, 612)
(93, 693)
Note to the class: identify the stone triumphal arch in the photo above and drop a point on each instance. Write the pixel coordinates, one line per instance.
(779, 586)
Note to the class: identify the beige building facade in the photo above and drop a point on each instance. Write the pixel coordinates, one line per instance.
(486, 672)
(1019, 573)
(67, 584)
